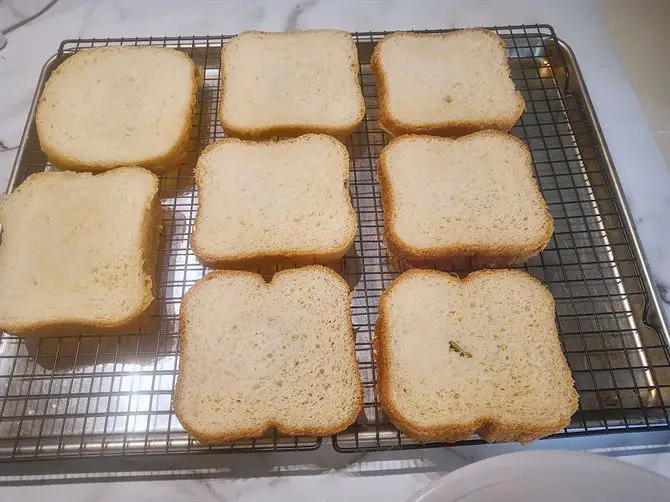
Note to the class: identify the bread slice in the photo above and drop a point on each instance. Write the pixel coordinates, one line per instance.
(473, 356)
(256, 355)
(78, 252)
(474, 198)
(118, 106)
(281, 202)
(287, 84)
(448, 84)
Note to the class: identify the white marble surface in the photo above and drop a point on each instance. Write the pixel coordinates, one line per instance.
(330, 476)
(317, 476)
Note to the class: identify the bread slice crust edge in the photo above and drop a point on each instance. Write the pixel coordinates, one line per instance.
(269, 424)
(489, 429)
(289, 130)
(157, 164)
(397, 127)
(151, 229)
(402, 254)
(283, 257)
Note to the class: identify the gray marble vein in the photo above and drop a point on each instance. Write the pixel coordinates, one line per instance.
(663, 291)
(296, 12)
(5, 148)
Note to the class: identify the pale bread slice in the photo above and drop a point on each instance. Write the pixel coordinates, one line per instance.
(78, 252)
(472, 198)
(256, 355)
(287, 84)
(118, 106)
(446, 84)
(474, 356)
(284, 202)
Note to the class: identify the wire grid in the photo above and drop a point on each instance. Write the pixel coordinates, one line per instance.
(619, 363)
(83, 396)
(99, 396)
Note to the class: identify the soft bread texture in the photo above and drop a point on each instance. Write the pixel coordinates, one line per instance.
(473, 198)
(287, 84)
(78, 252)
(474, 356)
(118, 106)
(283, 202)
(256, 355)
(447, 84)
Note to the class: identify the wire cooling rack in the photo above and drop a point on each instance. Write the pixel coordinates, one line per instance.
(620, 363)
(98, 396)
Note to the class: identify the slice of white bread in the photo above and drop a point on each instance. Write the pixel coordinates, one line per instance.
(447, 84)
(286, 84)
(118, 106)
(256, 355)
(78, 252)
(474, 356)
(281, 202)
(474, 198)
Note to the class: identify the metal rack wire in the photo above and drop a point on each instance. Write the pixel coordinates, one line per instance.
(97, 396)
(620, 364)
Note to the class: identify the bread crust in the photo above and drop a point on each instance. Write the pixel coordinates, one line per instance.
(151, 227)
(402, 254)
(269, 424)
(294, 256)
(157, 164)
(488, 428)
(454, 128)
(287, 129)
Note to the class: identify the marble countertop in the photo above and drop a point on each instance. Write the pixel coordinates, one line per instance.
(325, 475)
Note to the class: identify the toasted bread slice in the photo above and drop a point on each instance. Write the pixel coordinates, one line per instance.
(256, 355)
(474, 356)
(283, 202)
(287, 84)
(118, 106)
(78, 252)
(448, 84)
(472, 198)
